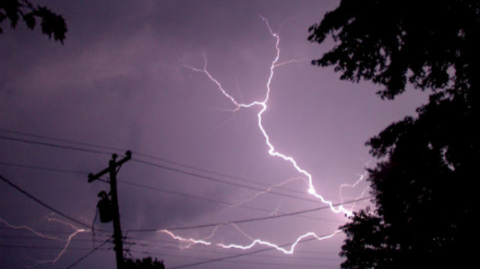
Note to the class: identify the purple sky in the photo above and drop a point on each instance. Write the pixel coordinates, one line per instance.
(120, 81)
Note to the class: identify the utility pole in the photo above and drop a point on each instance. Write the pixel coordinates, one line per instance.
(117, 230)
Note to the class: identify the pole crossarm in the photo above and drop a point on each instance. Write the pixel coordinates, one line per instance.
(128, 156)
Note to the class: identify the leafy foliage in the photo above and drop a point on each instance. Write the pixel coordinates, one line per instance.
(363, 251)
(436, 41)
(423, 192)
(422, 185)
(51, 23)
(145, 263)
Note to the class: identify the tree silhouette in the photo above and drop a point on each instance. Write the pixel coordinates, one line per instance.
(422, 185)
(51, 23)
(145, 263)
(423, 192)
(377, 40)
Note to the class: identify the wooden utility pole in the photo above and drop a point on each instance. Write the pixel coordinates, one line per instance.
(117, 230)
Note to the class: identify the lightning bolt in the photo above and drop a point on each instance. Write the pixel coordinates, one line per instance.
(290, 62)
(264, 105)
(346, 185)
(277, 247)
(186, 243)
(191, 241)
(362, 194)
(67, 241)
(354, 185)
(30, 229)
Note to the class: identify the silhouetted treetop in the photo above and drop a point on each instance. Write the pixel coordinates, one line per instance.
(429, 43)
(425, 203)
(145, 263)
(51, 23)
(362, 251)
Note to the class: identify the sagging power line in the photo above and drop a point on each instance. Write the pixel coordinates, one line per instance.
(40, 202)
(156, 165)
(250, 219)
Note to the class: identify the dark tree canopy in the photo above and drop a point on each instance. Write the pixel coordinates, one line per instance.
(15, 10)
(429, 43)
(423, 184)
(424, 195)
(145, 263)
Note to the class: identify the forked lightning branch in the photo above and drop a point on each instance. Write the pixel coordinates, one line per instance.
(263, 104)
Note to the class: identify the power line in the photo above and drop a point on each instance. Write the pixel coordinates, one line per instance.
(250, 219)
(221, 180)
(241, 262)
(135, 153)
(60, 140)
(52, 232)
(41, 202)
(24, 237)
(151, 164)
(139, 154)
(296, 265)
(154, 164)
(50, 169)
(100, 247)
(139, 185)
(238, 262)
(153, 188)
(210, 171)
(238, 255)
(42, 247)
(158, 166)
(186, 195)
(145, 243)
(45, 247)
(52, 145)
(87, 254)
(162, 167)
(168, 254)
